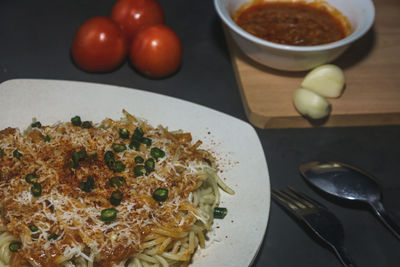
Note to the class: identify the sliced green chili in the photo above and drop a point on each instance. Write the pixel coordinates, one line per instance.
(157, 153)
(139, 170)
(108, 215)
(76, 121)
(15, 246)
(36, 189)
(86, 124)
(138, 132)
(124, 133)
(119, 166)
(72, 164)
(47, 138)
(36, 124)
(33, 228)
(117, 181)
(134, 144)
(220, 213)
(146, 141)
(17, 154)
(87, 185)
(160, 194)
(118, 147)
(52, 236)
(31, 178)
(1, 152)
(116, 198)
(149, 164)
(109, 158)
(139, 159)
(79, 156)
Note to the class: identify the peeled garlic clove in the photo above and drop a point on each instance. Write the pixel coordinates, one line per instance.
(310, 104)
(326, 80)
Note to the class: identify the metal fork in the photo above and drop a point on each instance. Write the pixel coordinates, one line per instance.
(318, 218)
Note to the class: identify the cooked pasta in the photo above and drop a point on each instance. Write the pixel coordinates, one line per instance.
(120, 193)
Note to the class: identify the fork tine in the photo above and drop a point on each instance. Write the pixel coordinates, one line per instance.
(293, 199)
(300, 195)
(300, 202)
(278, 196)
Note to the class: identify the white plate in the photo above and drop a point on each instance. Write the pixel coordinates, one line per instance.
(237, 238)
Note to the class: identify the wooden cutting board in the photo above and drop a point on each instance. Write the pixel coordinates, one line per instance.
(372, 70)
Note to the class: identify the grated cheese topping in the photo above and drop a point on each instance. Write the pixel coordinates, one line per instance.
(73, 214)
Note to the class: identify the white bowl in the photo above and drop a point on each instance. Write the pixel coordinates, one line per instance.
(360, 13)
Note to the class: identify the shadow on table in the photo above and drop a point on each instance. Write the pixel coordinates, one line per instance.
(358, 51)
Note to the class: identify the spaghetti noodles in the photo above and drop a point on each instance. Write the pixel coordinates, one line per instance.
(120, 193)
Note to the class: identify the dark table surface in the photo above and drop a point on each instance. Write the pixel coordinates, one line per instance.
(35, 39)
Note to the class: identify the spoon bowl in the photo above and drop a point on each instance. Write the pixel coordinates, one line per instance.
(341, 180)
(349, 183)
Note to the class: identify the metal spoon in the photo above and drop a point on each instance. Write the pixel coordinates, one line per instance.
(350, 183)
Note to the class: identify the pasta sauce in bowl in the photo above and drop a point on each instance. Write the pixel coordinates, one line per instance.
(295, 35)
(293, 23)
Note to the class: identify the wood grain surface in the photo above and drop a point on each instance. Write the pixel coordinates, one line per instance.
(371, 95)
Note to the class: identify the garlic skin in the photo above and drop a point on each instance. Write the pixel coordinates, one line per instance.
(326, 80)
(311, 104)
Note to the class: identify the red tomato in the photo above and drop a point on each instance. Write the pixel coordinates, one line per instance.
(99, 45)
(156, 51)
(132, 15)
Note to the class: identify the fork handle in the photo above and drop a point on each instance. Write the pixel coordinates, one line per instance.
(344, 257)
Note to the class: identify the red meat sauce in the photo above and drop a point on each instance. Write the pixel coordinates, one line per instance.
(293, 23)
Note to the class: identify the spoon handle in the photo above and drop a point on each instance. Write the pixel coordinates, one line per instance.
(344, 257)
(386, 218)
